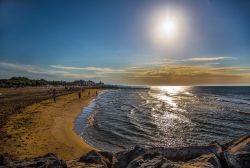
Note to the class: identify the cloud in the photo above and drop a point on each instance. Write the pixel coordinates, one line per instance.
(23, 69)
(213, 63)
(60, 71)
(190, 75)
(80, 68)
(210, 58)
(96, 69)
(28, 68)
(155, 75)
(16, 67)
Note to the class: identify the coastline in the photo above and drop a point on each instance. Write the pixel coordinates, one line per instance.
(235, 153)
(48, 127)
(42, 134)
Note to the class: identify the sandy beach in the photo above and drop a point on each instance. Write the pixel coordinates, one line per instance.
(47, 127)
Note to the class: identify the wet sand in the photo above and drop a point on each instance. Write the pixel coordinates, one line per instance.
(47, 127)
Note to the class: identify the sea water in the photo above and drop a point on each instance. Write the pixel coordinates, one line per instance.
(165, 116)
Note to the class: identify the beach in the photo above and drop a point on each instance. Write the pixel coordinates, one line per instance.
(46, 127)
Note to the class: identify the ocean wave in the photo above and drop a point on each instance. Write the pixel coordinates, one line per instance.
(91, 118)
(243, 112)
(179, 116)
(234, 100)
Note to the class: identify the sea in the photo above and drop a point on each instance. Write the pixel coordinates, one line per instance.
(165, 116)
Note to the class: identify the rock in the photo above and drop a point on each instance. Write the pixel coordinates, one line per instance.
(102, 158)
(160, 155)
(150, 160)
(190, 152)
(2, 160)
(237, 153)
(50, 161)
(77, 164)
(122, 159)
(204, 161)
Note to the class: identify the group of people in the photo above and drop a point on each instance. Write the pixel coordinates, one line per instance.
(79, 94)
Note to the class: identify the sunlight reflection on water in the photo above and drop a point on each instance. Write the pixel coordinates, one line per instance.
(167, 94)
(165, 116)
(167, 121)
(171, 90)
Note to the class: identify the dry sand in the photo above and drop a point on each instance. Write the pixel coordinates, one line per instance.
(47, 127)
(13, 100)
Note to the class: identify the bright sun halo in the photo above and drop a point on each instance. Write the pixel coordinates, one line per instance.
(167, 28)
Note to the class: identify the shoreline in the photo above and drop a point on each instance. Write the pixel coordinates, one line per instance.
(48, 127)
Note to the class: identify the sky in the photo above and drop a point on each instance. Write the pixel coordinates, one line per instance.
(142, 42)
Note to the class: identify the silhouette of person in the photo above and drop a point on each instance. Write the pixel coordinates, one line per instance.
(96, 93)
(54, 95)
(79, 95)
(89, 93)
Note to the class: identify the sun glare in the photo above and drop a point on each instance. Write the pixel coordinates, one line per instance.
(167, 28)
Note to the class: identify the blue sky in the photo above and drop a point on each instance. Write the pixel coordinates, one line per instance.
(114, 41)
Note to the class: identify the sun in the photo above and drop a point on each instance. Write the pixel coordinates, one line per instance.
(167, 28)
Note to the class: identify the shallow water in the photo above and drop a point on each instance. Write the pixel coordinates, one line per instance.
(165, 116)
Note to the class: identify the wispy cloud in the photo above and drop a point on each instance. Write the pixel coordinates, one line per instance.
(213, 63)
(20, 69)
(210, 58)
(62, 72)
(164, 74)
(95, 69)
(80, 68)
(16, 67)
(190, 61)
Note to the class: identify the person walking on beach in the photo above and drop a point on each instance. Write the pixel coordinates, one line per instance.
(96, 93)
(89, 94)
(54, 95)
(79, 95)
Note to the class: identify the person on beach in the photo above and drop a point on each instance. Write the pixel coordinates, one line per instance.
(96, 93)
(79, 95)
(89, 93)
(54, 95)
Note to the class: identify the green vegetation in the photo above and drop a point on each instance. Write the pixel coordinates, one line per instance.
(23, 82)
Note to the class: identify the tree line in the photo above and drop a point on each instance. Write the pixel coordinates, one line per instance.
(24, 81)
